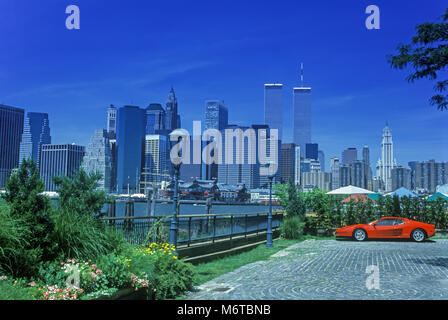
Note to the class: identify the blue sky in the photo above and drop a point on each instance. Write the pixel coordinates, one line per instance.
(131, 52)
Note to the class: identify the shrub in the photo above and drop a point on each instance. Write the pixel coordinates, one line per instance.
(292, 228)
(29, 211)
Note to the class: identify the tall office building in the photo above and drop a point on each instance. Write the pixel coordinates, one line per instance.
(297, 166)
(59, 160)
(344, 175)
(172, 117)
(401, 177)
(287, 162)
(111, 126)
(357, 174)
(273, 107)
(387, 162)
(427, 175)
(155, 170)
(366, 160)
(335, 175)
(112, 120)
(302, 116)
(321, 158)
(264, 179)
(36, 132)
(98, 158)
(349, 155)
(11, 129)
(155, 119)
(130, 142)
(216, 117)
(312, 151)
(312, 180)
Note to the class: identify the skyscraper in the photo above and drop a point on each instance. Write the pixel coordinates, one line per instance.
(401, 177)
(216, 117)
(387, 162)
(98, 158)
(112, 120)
(130, 142)
(335, 175)
(172, 117)
(36, 132)
(302, 116)
(321, 156)
(297, 161)
(11, 129)
(312, 151)
(155, 170)
(273, 107)
(59, 160)
(349, 155)
(287, 162)
(155, 119)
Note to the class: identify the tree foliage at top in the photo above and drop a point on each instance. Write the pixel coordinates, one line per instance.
(81, 194)
(427, 54)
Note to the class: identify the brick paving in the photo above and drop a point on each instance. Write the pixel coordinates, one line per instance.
(330, 269)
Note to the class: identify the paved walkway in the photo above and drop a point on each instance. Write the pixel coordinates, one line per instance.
(330, 269)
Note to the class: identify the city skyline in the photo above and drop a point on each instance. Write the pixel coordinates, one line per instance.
(354, 92)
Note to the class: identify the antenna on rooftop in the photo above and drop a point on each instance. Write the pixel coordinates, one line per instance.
(301, 73)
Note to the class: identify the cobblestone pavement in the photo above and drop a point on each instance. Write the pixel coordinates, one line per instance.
(330, 269)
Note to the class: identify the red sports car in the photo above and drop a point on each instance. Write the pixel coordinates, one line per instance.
(388, 227)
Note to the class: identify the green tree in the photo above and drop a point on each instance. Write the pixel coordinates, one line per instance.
(350, 213)
(81, 194)
(396, 211)
(28, 205)
(428, 55)
(296, 203)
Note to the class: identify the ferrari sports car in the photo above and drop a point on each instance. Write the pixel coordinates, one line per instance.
(388, 228)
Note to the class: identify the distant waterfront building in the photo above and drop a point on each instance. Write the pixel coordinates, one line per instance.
(334, 167)
(287, 162)
(216, 117)
(368, 173)
(36, 132)
(112, 120)
(130, 142)
(59, 160)
(98, 158)
(273, 109)
(427, 175)
(155, 170)
(311, 180)
(401, 177)
(344, 175)
(357, 174)
(387, 162)
(172, 117)
(302, 116)
(11, 129)
(312, 151)
(349, 155)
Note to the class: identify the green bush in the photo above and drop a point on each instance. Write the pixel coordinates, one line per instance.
(292, 228)
(29, 219)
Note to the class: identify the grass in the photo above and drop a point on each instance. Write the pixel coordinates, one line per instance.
(210, 270)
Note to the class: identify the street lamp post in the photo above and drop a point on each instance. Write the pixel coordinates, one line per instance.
(269, 231)
(173, 228)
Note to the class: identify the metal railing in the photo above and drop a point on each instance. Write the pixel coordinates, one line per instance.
(193, 229)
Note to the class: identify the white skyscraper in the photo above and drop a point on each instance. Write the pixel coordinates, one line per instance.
(387, 162)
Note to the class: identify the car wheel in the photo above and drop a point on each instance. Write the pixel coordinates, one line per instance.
(418, 235)
(360, 235)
